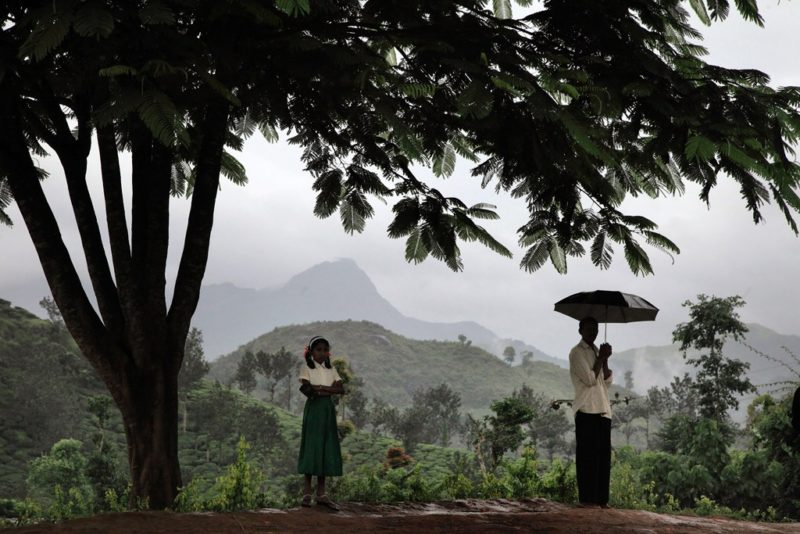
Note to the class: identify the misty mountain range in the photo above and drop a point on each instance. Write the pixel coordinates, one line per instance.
(230, 316)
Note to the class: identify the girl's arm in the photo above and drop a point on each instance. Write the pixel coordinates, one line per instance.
(336, 389)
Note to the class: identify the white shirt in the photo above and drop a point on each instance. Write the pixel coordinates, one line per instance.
(319, 375)
(591, 390)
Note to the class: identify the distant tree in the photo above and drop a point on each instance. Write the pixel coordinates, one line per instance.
(414, 426)
(216, 411)
(53, 313)
(444, 406)
(433, 417)
(462, 338)
(284, 368)
(628, 379)
(260, 426)
(358, 403)
(719, 379)
(547, 428)
(527, 357)
(505, 427)
(683, 396)
(348, 382)
(628, 418)
(383, 417)
(658, 405)
(509, 354)
(103, 463)
(245, 376)
(193, 368)
(264, 365)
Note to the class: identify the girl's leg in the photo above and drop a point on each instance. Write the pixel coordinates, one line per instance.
(307, 487)
(320, 486)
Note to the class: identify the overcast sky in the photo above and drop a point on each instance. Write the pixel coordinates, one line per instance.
(265, 233)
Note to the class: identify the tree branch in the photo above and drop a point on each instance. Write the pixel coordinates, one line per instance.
(118, 226)
(79, 316)
(201, 219)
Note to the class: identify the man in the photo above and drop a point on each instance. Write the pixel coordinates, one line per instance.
(591, 377)
(796, 412)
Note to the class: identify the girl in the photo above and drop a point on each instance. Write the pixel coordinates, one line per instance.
(320, 455)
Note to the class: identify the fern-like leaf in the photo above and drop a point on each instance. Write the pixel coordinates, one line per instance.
(445, 163)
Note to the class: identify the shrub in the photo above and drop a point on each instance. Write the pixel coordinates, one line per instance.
(559, 482)
(239, 488)
(397, 457)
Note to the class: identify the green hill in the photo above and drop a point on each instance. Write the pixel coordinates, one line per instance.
(393, 366)
(45, 386)
(43, 380)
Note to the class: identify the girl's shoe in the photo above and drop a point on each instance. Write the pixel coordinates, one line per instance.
(306, 500)
(324, 500)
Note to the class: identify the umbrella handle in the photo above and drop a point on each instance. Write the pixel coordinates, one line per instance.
(605, 326)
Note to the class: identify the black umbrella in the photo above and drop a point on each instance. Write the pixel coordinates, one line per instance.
(607, 307)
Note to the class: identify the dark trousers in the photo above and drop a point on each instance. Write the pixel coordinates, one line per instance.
(593, 457)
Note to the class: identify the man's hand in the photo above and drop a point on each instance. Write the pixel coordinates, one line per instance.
(605, 351)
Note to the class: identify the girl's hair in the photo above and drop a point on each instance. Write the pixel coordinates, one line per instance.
(314, 341)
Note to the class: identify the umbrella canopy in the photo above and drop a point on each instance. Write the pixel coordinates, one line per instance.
(607, 307)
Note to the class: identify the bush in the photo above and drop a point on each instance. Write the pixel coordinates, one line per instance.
(345, 428)
(628, 491)
(63, 467)
(239, 488)
(70, 503)
(522, 475)
(559, 482)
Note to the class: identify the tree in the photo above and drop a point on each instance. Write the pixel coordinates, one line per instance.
(53, 314)
(547, 107)
(346, 374)
(245, 376)
(719, 379)
(284, 365)
(103, 463)
(62, 470)
(509, 354)
(444, 407)
(193, 368)
(265, 366)
(357, 402)
(547, 427)
(527, 357)
(628, 379)
(505, 426)
(626, 417)
(383, 417)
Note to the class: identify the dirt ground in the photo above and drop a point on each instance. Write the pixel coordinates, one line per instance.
(484, 516)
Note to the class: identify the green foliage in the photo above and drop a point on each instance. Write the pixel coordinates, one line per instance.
(548, 428)
(560, 482)
(194, 366)
(239, 488)
(719, 379)
(505, 432)
(59, 481)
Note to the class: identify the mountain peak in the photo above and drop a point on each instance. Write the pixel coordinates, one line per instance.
(341, 273)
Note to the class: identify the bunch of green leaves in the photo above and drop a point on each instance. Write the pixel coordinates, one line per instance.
(570, 108)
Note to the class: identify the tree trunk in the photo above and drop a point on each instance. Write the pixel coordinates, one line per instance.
(150, 413)
(185, 414)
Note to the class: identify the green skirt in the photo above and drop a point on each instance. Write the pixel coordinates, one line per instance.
(320, 454)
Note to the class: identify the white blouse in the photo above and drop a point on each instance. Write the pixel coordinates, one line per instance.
(319, 375)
